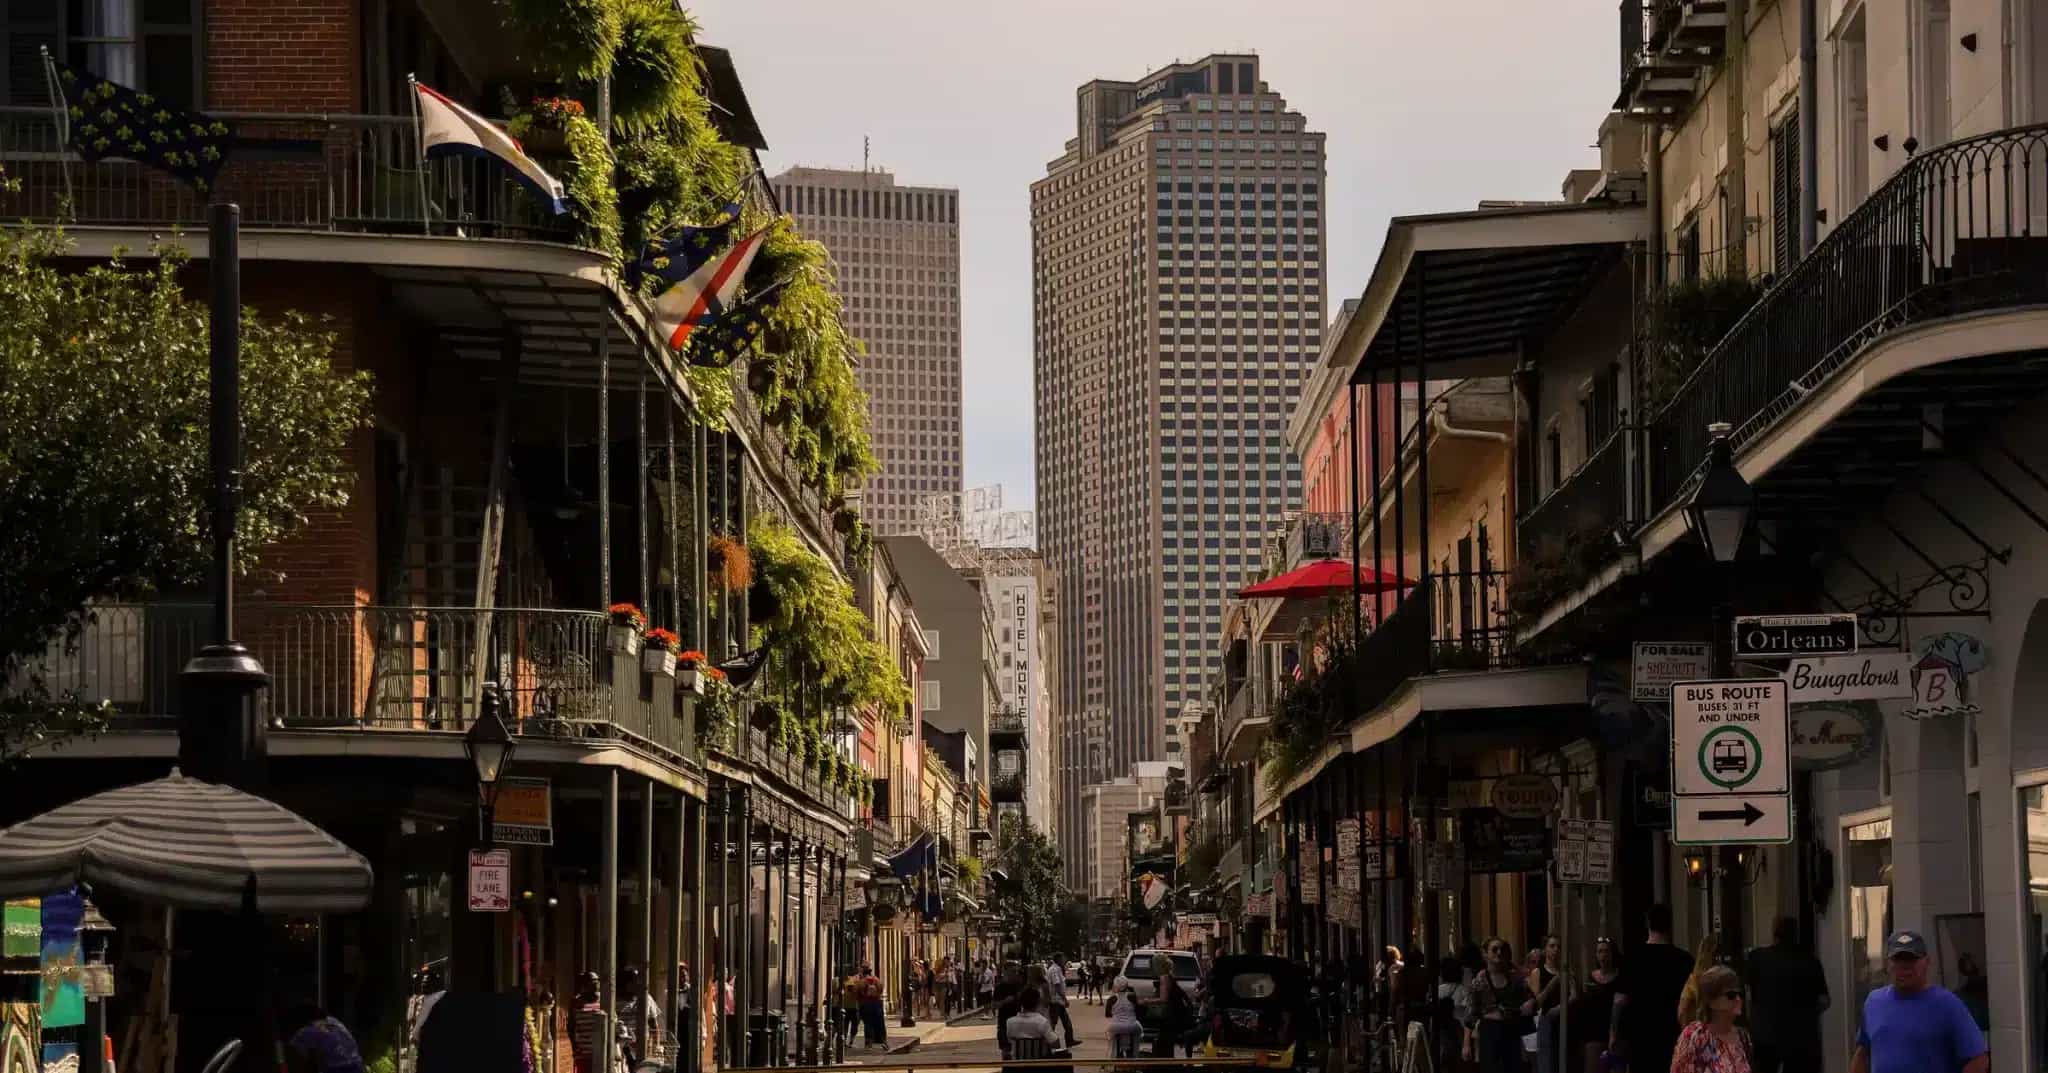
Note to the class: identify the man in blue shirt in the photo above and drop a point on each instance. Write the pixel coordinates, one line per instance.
(1913, 1026)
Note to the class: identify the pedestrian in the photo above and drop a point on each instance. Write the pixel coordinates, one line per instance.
(1552, 988)
(315, 1042)
(1791, 992)
(943, 984)
(589, 1028)
(686, 1008)
(728, 1010)
(871, 1008)
(1652, 976)
(988, 984)
(1056, 998)
(1386, 979)
(1499, 993)
(849, 1006)
(1590, 1016)
(1914, 1026)
(634, 1005)
(1704, 956)
(1176, 1012)
(1449, 1013)
(1028, 1024)
(1125, 1027)
(1713, 1042)
(913, 977)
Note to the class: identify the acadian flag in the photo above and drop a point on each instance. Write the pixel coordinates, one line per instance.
(449, 129)
(706, 294)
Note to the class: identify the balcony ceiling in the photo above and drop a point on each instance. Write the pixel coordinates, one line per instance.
(559, 322)
(1470, 291)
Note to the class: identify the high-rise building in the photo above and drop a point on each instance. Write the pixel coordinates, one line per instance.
(897, 250)
(1177, 262)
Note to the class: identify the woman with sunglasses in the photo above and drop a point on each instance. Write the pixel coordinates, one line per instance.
(1498, 994)
(1714, 1043)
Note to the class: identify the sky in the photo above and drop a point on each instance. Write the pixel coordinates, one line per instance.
(1429, 106)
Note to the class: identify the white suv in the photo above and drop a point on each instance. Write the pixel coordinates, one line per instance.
(1141, 973)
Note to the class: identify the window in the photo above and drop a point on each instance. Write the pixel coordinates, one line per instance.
(1785, 193)
(931, 696)
(150, 45)
(1934, 91)
(1689, 248)
(1554, 448)
(1852, 117)
(931, 644)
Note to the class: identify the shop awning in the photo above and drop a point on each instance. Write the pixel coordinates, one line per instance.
(1323, 578)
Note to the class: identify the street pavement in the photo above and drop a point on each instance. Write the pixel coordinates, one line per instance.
(974, 1039)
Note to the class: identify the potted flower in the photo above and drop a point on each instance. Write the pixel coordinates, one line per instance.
(624, 634)
(659, 657)
(691, 670)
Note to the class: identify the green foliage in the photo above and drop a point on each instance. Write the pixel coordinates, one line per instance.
(1310, 710)
(1035, 890)
(1686, 321)
(818, 622)
(812, 396)
(1555, 568)
(595, 203)
(655, 73)
(713, 389)
(103, 441)
(970, 871)
(718, 713)
(572, 39)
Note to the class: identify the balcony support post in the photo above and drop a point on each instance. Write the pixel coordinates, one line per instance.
(604, 445)
(640, 490)
(1422, 423)
(1351, 463)
(608, 908)
(1809, 127)
(674, 922)
(644, 949)
(674, 512)
(490, 547)
(700, 534)
(1379, 565)
(1400, 476)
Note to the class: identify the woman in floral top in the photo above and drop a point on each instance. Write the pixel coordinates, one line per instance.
(1713, 1043)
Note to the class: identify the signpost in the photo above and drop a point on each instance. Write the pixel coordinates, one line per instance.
(1788, 636)
(1657, 664)
(490, 881)
(524, 813)
(1730, 769)
(1585, 851)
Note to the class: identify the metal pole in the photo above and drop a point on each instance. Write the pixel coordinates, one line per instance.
(674, 512)
(224, 388)
(646, 951)
(1351, 463)
(609, 955)
(604, 463)
(1422, 423)
(640, 488)
(725, 936)
(1809, 131)
(676, 877)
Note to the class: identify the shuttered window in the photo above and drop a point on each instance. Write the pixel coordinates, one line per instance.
(1784, 195)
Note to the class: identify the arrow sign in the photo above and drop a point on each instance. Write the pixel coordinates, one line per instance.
(1748, 814)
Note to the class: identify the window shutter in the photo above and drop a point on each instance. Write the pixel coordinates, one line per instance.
(1784, 196)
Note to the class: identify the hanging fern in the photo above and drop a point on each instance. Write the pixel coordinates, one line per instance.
(571, 39)
(655, 73)
(818, 622)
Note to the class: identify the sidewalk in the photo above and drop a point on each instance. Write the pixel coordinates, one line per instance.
(901, 1041)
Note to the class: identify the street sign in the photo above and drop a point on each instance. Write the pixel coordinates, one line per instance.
(1600, 851)
(1787, 636)
(490, 880)
(1657, 664)
(1585, 851)
(523, 813)
(1730, 750)
(1729, 737)
(1525, 796)
(1711, 821)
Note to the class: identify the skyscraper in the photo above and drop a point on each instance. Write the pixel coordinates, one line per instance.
(897, 249)
(1177, 295)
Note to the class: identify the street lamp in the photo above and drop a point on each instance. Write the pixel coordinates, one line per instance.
(1720, 508)
(489, 745)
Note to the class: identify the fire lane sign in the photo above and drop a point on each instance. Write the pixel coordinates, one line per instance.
(1730, 766)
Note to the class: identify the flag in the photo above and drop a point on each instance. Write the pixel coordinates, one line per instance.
(705, 293)
(725, 338)
(105, 120)
(672, 259)
(449, 129)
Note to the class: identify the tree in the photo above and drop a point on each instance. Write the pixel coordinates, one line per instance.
(1032, 890)
(104, 473)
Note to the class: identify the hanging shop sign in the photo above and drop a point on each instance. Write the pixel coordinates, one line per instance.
(1495, 842)
(1657, 664)
(524, 814)
(490, 881)
(1942, 676)
(1649, 800)
(1525, 796)
(1790, 636)
(1311, 872)
(1825, 736)
(1869, 676)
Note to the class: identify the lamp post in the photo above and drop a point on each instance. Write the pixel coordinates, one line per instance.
(489, 744)
(1720, 513)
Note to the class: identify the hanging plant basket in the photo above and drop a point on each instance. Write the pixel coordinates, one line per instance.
(730, 565)
(844, 519)
(760, 375)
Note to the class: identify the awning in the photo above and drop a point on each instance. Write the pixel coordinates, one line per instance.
(1471, 290)
(1323, 578)
(186, 843)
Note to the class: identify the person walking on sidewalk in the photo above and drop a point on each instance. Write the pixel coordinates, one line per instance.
(1646, 996)
(1915, 1026)
(1056, 998)
(871, 1008)
(1790, 992)
(1714, 1043)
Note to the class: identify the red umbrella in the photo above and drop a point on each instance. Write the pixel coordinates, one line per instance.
(1324, 577)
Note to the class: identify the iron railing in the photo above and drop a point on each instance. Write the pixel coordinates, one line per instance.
(1006, 786)
(1007, 722)
(317, 172)
(1591, 502)
(380, 668)
(1961, 228)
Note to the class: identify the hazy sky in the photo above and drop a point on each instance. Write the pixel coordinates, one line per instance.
(1430, 105)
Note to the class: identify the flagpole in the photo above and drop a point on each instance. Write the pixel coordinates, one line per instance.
(60, 117)
(419, 129)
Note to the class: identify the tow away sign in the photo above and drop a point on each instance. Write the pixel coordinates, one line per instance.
(1729, 761)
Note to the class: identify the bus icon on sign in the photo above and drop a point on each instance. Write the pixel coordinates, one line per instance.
(1730, 757)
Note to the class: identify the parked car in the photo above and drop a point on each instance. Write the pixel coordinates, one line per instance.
(1140, 971)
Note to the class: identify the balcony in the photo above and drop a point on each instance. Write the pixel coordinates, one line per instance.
(1312, 536)
(339, 173)
(1244, 718)
(1006, 786)
(1587, 509)
(384, 669)
(1958, 231)
(1006, 729)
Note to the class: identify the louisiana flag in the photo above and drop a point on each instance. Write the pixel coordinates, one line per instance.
(105, 120)
(705, 294)
(449, 129)
(672, 259)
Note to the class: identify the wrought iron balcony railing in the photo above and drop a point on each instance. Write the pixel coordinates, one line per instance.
(312, 172)
(1961, 228)
(1589, 505)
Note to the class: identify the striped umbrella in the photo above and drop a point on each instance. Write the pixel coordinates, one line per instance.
(186, 843)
